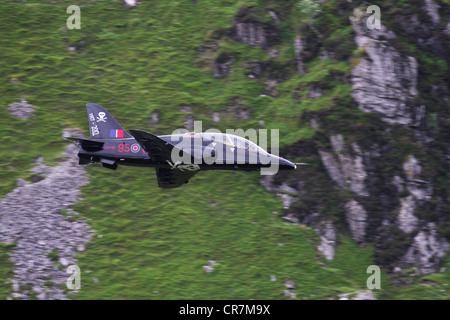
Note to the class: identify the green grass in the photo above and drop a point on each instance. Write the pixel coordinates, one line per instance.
(155, 243)
(429, 287)
(6, 270)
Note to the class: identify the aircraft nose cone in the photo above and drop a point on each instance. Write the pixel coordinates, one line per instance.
(287, 165)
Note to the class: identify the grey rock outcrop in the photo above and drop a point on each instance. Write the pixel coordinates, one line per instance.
(270, 87)
(406, 220)
(393, 195)
(267, 183)
(285, 192)
(30, 216)
(251, 33)
(412, 168)
(222, 65)
(275, 18)
(345, 170)
(215, 117)
(255, 69)
(447, 29)
(427, 248)
(385, 81)
(298, 48)
(154, 118)
(22, 109)
(426, 251)
(234, 112)
(249, 29)
(356, 217)
(189, 120)
(286, 198)
(328, 237)
(432, 10)
(73, 133)
(424, 27)
(418, 190)
(314, 92)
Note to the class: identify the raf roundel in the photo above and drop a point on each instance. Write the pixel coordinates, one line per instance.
(135, 148)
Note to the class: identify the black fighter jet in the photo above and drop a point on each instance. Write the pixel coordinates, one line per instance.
(176, 157)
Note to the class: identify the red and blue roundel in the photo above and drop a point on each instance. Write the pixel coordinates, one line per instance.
(135, 148)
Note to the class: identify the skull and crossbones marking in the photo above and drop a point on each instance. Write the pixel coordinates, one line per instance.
(101, 117)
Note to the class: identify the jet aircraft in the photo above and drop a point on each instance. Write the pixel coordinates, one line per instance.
(175, 157)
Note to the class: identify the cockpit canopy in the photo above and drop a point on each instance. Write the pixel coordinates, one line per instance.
(225, 138)
(233, 140)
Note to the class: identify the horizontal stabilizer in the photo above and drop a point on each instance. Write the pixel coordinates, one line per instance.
(88, 145)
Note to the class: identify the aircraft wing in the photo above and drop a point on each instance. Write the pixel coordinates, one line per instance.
(157, 148)
(172, 178)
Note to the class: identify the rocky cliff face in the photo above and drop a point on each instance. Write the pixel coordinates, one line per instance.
(346, 170)
(250, 29)
(386, 177)
(426, 251)
(31, 216)
(384, 81)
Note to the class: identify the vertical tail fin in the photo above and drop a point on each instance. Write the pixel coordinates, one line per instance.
(102, 124)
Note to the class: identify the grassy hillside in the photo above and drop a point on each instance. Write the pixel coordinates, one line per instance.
(152, 243)
(155, 243)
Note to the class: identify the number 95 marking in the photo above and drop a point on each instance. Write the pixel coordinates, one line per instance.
(124, 147)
